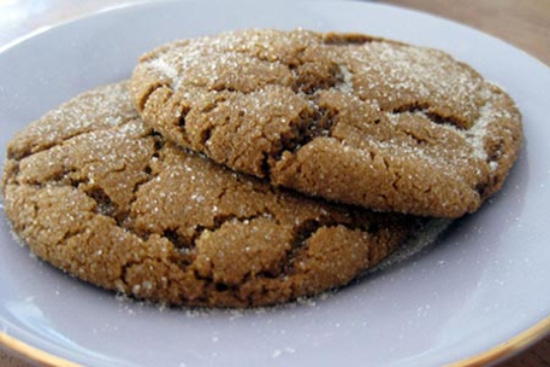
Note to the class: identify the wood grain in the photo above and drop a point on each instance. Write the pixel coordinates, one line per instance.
(523, 23)
(9, 361)
(536, 356)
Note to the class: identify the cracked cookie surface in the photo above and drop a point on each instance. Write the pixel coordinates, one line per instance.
(350, 118)
(95, 192)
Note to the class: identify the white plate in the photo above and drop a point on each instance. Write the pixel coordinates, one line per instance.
(484, 282)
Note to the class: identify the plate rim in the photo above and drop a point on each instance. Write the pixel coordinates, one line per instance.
(497, 353)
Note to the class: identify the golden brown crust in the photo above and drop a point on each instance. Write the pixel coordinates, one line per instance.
(106, 199)
(351, 118)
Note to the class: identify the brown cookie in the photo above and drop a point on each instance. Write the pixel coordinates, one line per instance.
(350, 118)
(95, 192)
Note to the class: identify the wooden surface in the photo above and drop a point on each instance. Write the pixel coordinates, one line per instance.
(523, 23)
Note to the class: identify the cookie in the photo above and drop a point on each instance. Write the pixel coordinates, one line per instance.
(95, 192)
(350, 118)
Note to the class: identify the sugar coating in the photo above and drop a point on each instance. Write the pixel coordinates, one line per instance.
(350, 118)
(105, 198)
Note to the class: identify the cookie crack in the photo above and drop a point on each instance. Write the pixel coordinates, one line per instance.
(124, 272)
(320, 125)
(71, 234)
(418, 139)
(348, 39)
(151, 88)
(301, 235)
(104, 205)
(219, 222)
(222, 219)
(125, 219)
(426, 110)
(307, 229)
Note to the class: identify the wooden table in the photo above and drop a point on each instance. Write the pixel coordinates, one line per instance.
(523, 23)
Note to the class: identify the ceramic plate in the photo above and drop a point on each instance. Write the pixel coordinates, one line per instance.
(482, 283)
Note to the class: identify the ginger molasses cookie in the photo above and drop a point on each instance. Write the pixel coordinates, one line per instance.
(350, 118)
(95, 192)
